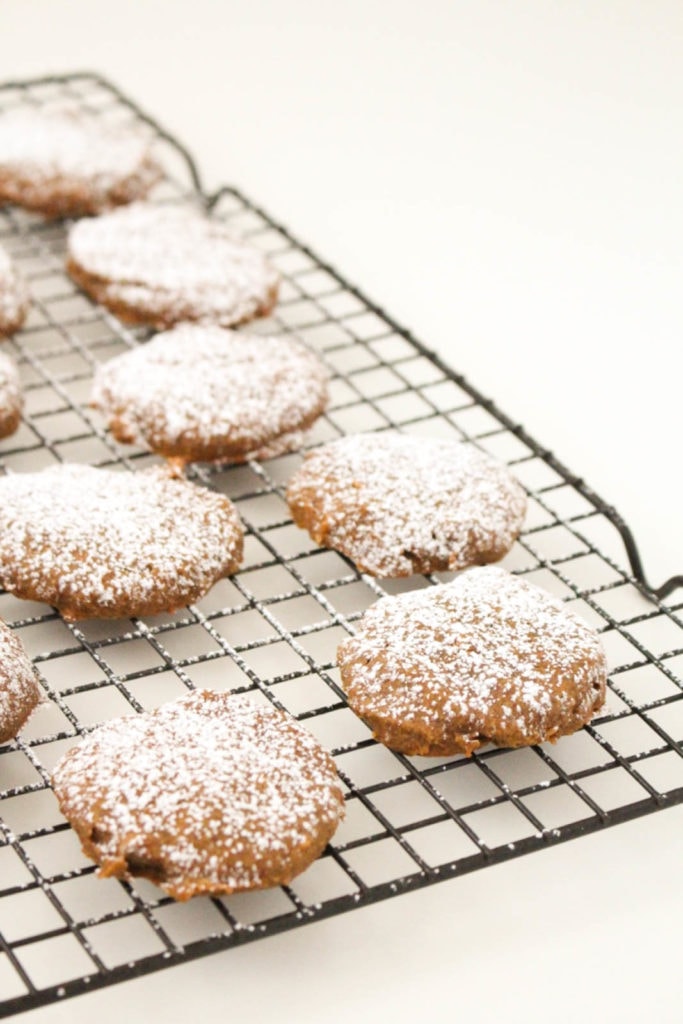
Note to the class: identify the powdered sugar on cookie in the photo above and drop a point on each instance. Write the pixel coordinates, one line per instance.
(11, 397)
(13, 295)
(210, 793)
(64, 161)
(163, 264)
(95, 542)
(19, 691)
(206, 393)
(488, 657)
(398, 505)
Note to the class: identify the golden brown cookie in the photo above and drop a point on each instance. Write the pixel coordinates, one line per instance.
(204, 393)
(11, 397)
(208, 794)
(99, 543)
(65, 163)
(19, 692)
(488, 658)
(160, 265)
(398, 505)
(13, 296)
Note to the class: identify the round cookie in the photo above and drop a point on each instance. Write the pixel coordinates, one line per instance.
(159, 265)
(398, 505)
(65, 163)
(488, 658)
(207, 794)
(13, 296)
(11, 398)
(204, 393)
(100, 543)
(19, 692)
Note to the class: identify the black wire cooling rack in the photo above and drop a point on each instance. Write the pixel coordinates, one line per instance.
(274, 628)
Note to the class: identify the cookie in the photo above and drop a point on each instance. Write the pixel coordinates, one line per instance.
(11, 397)
(398, 505)
(66, 163)
(13, 296)
(159, 265)
(19, 692)
(487, 658)
(204, 393)
(100, 543)
(208, 794)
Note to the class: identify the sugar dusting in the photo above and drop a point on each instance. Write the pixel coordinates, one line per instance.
(397, 504)
(96, 541)
(45, 151)
(11, 398)
(207, 393)
(19, 692)
(223, 795)
(174, 264)
(488, 656)
(13, 295)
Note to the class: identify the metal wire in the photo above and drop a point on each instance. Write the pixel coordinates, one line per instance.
(274, 627)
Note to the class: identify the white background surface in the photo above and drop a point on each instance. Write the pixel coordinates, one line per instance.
(505, 179)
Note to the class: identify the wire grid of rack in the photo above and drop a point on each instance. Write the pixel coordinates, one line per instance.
(273, 628)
